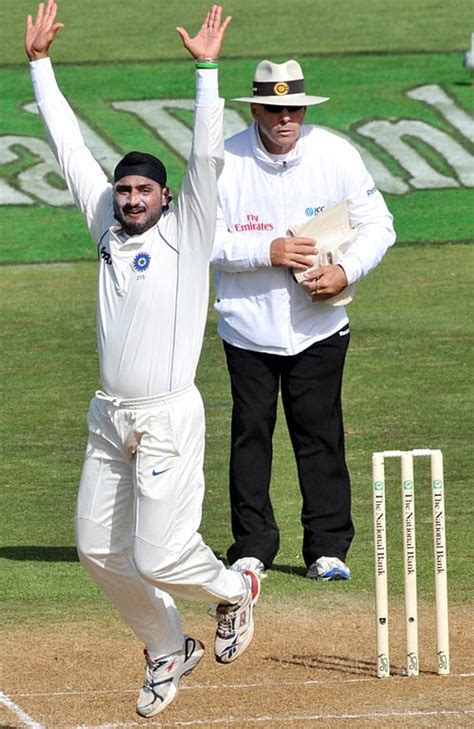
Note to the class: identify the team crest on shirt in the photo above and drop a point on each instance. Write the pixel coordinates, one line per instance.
(141, 262)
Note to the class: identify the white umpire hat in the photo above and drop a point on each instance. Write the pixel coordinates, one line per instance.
(280, 84)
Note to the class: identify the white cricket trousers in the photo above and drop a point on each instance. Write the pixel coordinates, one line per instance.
(139, 510)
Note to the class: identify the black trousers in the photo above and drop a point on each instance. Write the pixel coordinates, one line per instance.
(310, 384)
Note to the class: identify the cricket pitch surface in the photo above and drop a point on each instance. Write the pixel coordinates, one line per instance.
(305, 668)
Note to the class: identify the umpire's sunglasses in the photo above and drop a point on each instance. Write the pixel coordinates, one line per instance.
(273, 109)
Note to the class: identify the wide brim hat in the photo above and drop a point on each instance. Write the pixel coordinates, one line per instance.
(280, 84)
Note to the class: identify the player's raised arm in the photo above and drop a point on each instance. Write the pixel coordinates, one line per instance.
(207, 42)
(83, 175)
(41, 31)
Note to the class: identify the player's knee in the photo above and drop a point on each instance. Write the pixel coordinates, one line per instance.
(90, 557)
(85, 542)
(94, 548)
(154, 564)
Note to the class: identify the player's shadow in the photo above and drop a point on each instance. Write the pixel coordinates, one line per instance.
(30, 553)
(341, 664)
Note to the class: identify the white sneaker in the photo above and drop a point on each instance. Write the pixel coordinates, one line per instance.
(235, 622)
(162, 677)
(328, 569)
(250, 563)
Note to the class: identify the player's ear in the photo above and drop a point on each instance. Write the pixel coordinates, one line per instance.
(165, 196)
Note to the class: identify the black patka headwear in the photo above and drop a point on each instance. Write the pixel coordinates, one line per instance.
(143, 164)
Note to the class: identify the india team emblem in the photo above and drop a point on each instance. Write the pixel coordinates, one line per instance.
(141, 262)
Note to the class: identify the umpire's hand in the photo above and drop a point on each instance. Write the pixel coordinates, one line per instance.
(292, 252)
(325, 282)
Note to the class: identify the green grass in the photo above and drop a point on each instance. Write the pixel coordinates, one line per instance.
(407, 375)
(147, 31)
(406, 385)
(361, 88)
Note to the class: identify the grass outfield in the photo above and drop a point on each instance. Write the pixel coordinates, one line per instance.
(258, 26)
(406, 385)
(408, 367)
(361, 89)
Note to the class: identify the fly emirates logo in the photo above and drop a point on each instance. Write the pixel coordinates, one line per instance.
(252, 222)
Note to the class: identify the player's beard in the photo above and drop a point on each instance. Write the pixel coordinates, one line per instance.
(147, 220)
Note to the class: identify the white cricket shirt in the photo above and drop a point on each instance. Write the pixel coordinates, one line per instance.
(153, 288)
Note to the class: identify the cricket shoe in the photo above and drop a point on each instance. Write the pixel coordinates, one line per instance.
(162, 677)
(328, 569)
(250, 563)
(235, 622)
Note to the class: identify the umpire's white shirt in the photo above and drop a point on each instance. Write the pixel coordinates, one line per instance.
(261, 307)
(152, 288)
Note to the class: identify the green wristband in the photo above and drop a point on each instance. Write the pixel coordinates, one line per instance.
(207, 63)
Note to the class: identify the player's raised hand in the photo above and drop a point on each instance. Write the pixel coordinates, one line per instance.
(41, 31)
(207, 42)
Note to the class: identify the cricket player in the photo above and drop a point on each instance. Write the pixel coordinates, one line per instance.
(141, 491)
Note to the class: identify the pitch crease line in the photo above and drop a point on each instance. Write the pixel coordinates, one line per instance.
(220, 686)
(19, 713)
(310, 717)
(205, 686)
